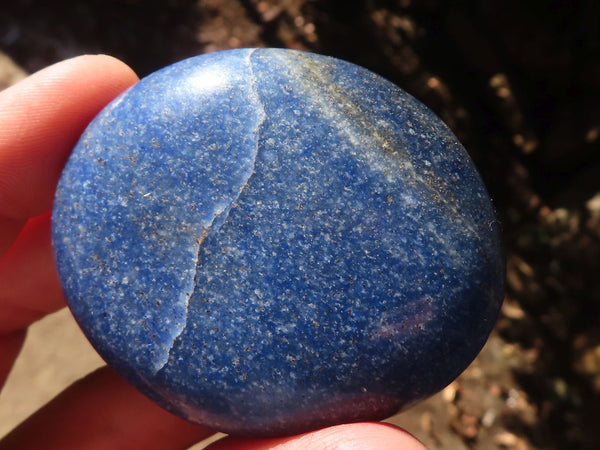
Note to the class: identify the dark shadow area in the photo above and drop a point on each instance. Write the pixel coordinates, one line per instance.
(146, 34)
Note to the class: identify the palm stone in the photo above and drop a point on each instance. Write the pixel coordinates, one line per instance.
(268, 241)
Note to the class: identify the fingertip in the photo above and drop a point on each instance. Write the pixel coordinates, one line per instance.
(115, 73)
(76, 77)
(356, 436)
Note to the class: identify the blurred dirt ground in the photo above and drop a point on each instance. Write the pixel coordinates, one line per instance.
(518, 82)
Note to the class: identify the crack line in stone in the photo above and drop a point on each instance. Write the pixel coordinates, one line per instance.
(186, 295)
(222, 211)
(262, 114)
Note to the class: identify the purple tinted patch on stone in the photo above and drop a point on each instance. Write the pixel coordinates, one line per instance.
(267, 241)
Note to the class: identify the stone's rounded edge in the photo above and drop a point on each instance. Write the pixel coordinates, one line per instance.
(147, 383)
(351, 409)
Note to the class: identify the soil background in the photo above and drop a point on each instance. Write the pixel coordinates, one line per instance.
(517, 81)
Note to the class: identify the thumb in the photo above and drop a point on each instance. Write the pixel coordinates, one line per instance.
(356, 436)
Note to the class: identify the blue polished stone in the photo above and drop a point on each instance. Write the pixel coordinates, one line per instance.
(269, 241)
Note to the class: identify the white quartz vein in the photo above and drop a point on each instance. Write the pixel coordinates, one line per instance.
(184, 299)
(261, 116)
(219, 217)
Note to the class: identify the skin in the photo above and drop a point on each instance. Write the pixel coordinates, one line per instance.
(41, 119)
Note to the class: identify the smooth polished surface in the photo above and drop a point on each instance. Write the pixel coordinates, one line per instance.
(269, 241)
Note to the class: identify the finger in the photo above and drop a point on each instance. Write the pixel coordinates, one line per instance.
(30, 287)
(9, 229)
(364, 436)
(102, 411)
(41, 118)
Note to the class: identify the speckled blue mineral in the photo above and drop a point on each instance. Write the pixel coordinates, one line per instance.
(268, 241)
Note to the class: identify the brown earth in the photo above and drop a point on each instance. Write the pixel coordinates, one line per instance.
(518, 82)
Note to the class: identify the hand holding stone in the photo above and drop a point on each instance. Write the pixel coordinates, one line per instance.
(267, 242)
(40, 120)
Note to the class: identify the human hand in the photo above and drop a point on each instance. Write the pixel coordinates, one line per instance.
(41, 118)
